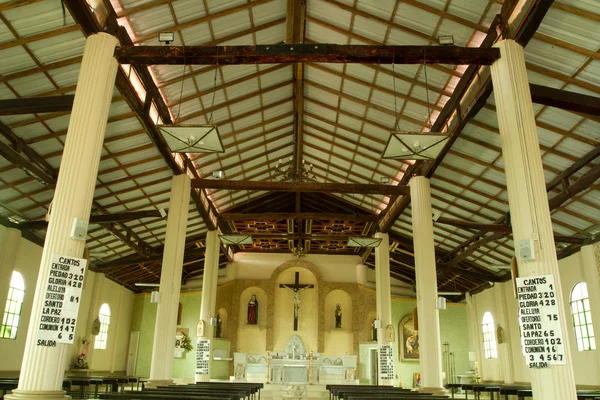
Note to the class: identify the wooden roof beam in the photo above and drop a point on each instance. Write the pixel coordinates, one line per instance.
(101, 218)
(565, 99)
(301, 187)
(298, 53)
(34, 105)
(453, 110)
(270, 216)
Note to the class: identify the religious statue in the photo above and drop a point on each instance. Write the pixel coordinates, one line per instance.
(338, 315)
(296, 288)
(219, 326)
(253, 311)
(500, 334)
(374, 331)
(296, 293)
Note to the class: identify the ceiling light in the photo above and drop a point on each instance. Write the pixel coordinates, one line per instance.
(363, 242)
(192, 138)
(217, 174)
(449, 293)
(236, 240)
(385, 180)
(166, 37)
(414, 145)
(141, 284)
(446, 40)
(299, 252)
(286, 171)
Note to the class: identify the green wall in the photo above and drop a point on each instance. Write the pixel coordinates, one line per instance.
(144, 319)
(185, 367)
(453, 330)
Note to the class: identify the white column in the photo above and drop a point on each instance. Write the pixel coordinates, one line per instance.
(209, 291)
(41, 371)
(430, 346)
(161, 367)
(9, 243)
(383, 294)
(528, 200)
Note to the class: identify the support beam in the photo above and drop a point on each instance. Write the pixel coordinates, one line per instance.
(500, 228)
(136, 259)
(34, 105)
(464, 91)
(100, 219)
(565, 100)
(301, 187)
(298, 53)
(81, 13)
(302, 215)
(27, 166)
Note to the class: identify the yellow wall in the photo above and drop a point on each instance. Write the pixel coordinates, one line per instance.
(120, 300)
(503, 306)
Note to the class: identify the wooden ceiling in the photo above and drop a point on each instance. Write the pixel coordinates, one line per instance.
(287, 95)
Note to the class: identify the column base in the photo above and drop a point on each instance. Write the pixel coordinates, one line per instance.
(154, 383)
(18, 394)
(435, 391)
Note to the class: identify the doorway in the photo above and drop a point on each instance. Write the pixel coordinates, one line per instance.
(134, 339)
(373, 366)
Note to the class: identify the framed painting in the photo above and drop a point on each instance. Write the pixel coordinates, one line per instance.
(408, 339)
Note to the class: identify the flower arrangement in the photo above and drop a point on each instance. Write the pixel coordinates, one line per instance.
(186, 343)
(81, 362)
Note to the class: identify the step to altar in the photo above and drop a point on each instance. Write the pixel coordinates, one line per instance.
(292, 392)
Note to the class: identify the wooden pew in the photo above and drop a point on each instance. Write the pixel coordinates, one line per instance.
(7, 385)
(244, 393)
(252, 386)
(581, 394)
(384, 392)
(417, 396)
(171, 395)
(336, 390)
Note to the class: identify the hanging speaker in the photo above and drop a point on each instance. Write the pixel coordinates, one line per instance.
(155, 297)
(441, 303)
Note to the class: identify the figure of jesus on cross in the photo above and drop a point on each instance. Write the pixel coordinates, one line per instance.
(296, 288)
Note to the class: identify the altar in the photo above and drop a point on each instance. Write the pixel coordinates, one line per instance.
(294, 370)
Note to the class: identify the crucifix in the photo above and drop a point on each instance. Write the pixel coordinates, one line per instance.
(296, 288)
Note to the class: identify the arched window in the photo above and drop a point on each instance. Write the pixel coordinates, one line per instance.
(489, 337)
(14, 303)
(102, 336)
(582, 318)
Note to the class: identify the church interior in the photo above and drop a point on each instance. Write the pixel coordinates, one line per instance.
(301, 194)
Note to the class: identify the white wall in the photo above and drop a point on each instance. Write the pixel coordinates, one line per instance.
(339, 269)
(119, 298)
(500, 301)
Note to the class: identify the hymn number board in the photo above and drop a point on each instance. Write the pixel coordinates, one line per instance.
(62, 297)
(386, 362)
(202, 356)
(541, 334)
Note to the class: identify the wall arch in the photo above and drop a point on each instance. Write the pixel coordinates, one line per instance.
(252, 338)
(342, 298)
(283, 310)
